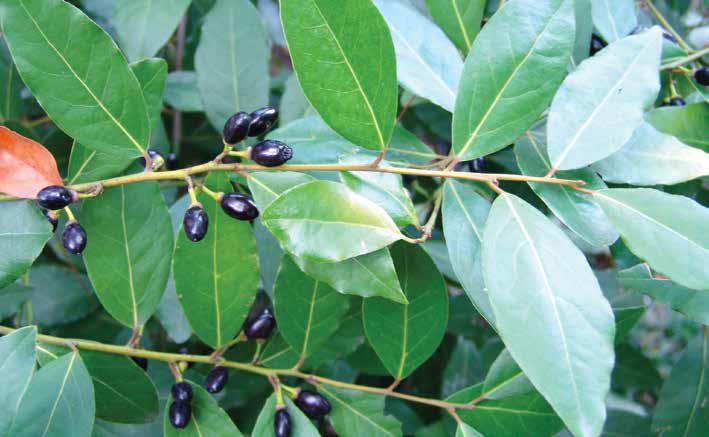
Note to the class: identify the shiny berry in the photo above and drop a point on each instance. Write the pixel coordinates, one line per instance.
(597, 44)
(74, 238)
(261, 326)
(156, 159)
(239, 206)
(216, 379)
(52, 218)
(325, 427)
(181, 391)
(55, 197)
(313, 404)
(171, 161)
(236, 128)
(677, 101)
(282, 423)
(195, 223)
(477, 165)
(141, 362)
(262, 120)
(702, 76)
(180, 414)
(271, 153)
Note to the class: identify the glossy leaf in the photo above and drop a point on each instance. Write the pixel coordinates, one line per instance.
(653, 158)
(326, 221)
(614, 19)
(680, 409)
(231, 61)
(679, 247)
(599, 106)
(427, 63)
(17, 354)
(144, 26)
(688, 123)
(404, 336)
(300, 424)
(308, 311)
(128, 251)
(216, 293)
(23, 233)
(460, 19)
(464, 216)
(505, 88)
(552, 297)
(181, 91)
(207, 417)
(151, 74)
(25, 165)
(359, 414)
(354, 90)
(505, 379)
(67, 61)
(268, 186)
(12, 106)
(578, 211)
(59, 401)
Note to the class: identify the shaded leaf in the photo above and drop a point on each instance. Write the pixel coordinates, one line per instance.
(23, 233)
(207, 418)
(59, 295)
(300, 424)
(614, 19)
(181, 91)
(25, 165)
(460, 19)
(624, 424)
(359, 414)
(584, 29)
(12, 106)
(294, 104)
(17, 356)
(688, 123)
(464, 368)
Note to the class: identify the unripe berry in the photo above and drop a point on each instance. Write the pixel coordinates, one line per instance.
(261, 326)
(195, 223)
(271, 153)
(74, 237)
(217, 379)
(156, 159)
(236, 128)
(262, 120)
(239, 206)
(282, 423)
(180, 414)
(55, 197)
(313, 404)
(181, 391)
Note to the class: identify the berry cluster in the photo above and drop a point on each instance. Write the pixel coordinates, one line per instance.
(181, 408)
(54, 198)
(312, 404)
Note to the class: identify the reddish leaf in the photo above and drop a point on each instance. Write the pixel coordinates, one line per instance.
(25, 165)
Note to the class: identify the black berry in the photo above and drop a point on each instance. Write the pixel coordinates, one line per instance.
(313, 404)
(477, 165)
(52, 218)
(261, 326)
(216, 379)
(195, 223)
(271, 153)
(171, 161)
(239, 206)
(180, 414)
(668, 36)
(55, 197)
(185, 364)
(326, 429)
(282, 423)
(597, 44)
(702, 76)
(262, 120)
(156, 159)
(181, 391)
(677, 101)
(141, 362)
(74, 238)
(236, 128)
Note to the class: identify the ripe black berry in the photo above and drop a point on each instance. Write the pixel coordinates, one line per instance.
(55, 197)
(236, 128)
(313, 404)
(262, 120)
(702, 76)
(239, 206)
(282, 423)
(171, 161)
(74, 237)
(141, 362)
(261, 326)
(156, 159)
(271, 153)
(477, 165)
(216, 379)
(52, 218)
(597, 44)
(180, 414)
(195, 223)
(325, 427)
(677, 101)
(181, 391)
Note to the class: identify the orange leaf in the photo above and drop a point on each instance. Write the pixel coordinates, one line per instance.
(25, 166)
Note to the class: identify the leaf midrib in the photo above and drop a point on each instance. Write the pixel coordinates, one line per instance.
(61, 392)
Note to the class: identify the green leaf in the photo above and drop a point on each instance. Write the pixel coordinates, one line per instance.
(67, 62)
(599, 106)
(614, 19)
(59, 295)
(460, 19)
(384, 189)
(300, 424)
(688, 123)
(653, 158)
(294, 104)
(465, 430)
(23, 233)
(354, 90)
(231, 61)
(404, 336)
(681, 408)
(634, 372)
(464, 216)
(59, 401)
(17, 354)
(11, 297)
(505, 87)
(427, 63)
(144, 26)
(268, 186)
(152, 74)
(624, 424)
(359, 414)
(505, 378)
(128, 252)
(579, 211)
(692, 303)
(12, 107)
(308, 311)
(628, 307)
(679, 247)
(217, 278)
(541, 287)
(370, 275)
(584, 29)
(207, 418)
(326, 221)
(464, 367)
(181, 91)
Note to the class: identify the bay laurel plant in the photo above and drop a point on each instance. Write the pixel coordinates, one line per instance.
(354, 217)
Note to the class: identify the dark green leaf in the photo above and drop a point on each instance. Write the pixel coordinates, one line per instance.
(465, 430)
(181, 91)
(624, 424)
(464, 368)
(17, 354)
(301, 425)
(59, 295)
(634, 371)
(12, 107)
(207, 418)
(688, 123)
(23, 233)
(359, 414)
(460, 19)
